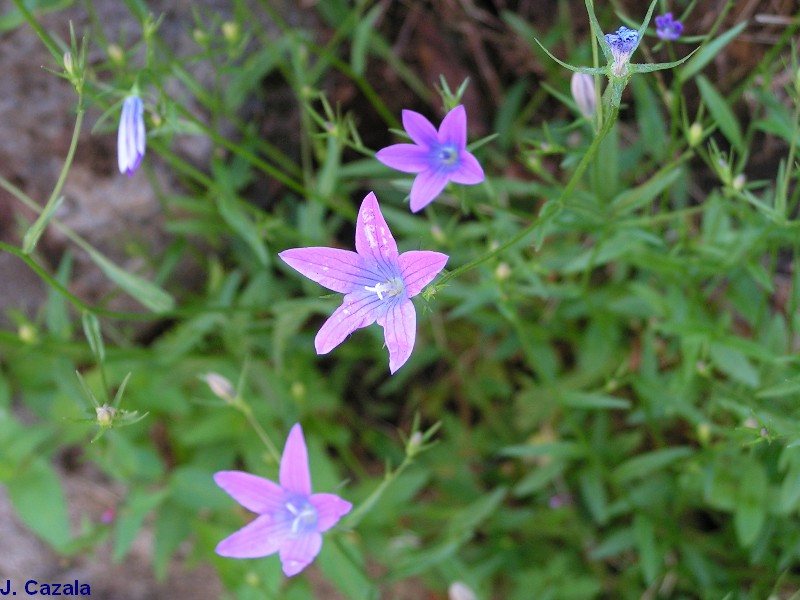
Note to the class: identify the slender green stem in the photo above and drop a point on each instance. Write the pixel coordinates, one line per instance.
(243, 407)
(73, 145)
(573, 181)
(355, 517)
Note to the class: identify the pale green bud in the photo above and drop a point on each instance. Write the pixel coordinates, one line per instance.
(230, 31)
(115, 54)
(695, 134)
(69, 66)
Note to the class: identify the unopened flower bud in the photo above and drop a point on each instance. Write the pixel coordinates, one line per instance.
(298, 390)
(459, 590)
(582, 86)
(695, 134)
(69, 67)
(220, 386)
(622, 43)
(704, 433)
(230, 31)
(27, 333)
(105, 415)
(200, 37)
(414, 444)
(502, 272)
(115, 53)
(739, 181)
(131, 137)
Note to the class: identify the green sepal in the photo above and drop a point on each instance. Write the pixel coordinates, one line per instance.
(649, 67)
(585, 70)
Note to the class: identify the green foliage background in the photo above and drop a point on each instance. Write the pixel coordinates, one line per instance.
(618, 392)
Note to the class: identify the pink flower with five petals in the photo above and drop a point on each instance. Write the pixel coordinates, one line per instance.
(378, 283)
(436, 156)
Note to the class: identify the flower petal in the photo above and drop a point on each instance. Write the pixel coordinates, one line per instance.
(295, 476)
(419, 129)
(298, 552)
(426, 187)
(255, 493)
(408, 158)
(419, 267)
(359, 309)
(469, 170)
(338, 270)
(261, 537)
(330, 508)
(453, 129)
(399, 330)
(374, 241)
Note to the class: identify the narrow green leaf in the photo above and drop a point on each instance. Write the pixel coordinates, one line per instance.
(238, 220)
(650, 561)
(644, 194)
(361, 39)
(593, 400)
(790, 489)
(91, 329)
(784, 388)
(538, 478)
(464, 523)
(645, 464)
(121, 391)
(58, 318)
(36, 230)
(707, 53)
(721, 112)
(597, 30)
(131, 519)
(173, 525)
(342, 562)
(616, 543)
(734, 364)
(593, 493)
(149, 294)
(587, 70)
(551, 449)
(750, 514)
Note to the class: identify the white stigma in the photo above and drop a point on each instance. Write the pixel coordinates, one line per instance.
(392, 287)
(303, 517)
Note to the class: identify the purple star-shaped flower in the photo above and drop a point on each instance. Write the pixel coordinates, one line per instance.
(437, 156)
(667, 29)
(291, 519)
(378, 283)
(130, 136)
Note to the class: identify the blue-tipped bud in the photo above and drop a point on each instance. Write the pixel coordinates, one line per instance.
(622, 44)
(131, 135)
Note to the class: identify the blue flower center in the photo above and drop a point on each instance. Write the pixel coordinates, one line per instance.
(446, 155)
(391, 287)
(302, 514)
